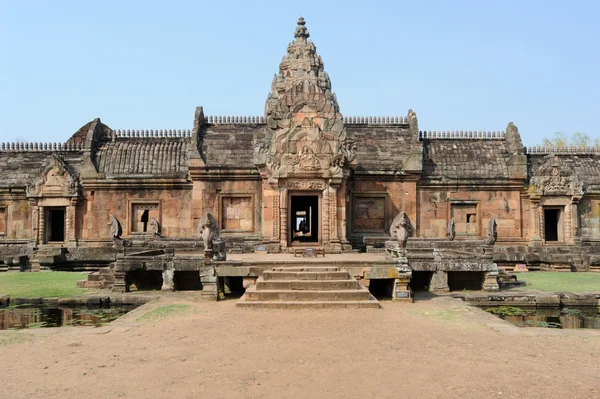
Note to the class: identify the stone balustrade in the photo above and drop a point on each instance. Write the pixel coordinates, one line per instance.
(462, 134)
(123, 133)
(40, 147)
(562, 150)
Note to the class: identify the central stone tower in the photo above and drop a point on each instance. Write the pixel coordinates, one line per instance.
(305, 154)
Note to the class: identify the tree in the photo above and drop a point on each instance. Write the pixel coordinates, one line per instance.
(578, 139)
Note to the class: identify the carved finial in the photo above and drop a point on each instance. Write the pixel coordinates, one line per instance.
(301, 33)
(401, 229)
(155, 226)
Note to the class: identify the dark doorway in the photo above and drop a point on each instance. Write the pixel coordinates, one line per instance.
(551, 224)
(55, 225)
(304, 220)
(473, 281)
(420, 280)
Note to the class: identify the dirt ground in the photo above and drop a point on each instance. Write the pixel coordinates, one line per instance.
(438, 348)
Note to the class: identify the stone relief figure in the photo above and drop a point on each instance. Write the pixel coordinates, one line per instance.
(155, 226)
(451, 230)
(115, 227)
(492, 232)
(401, 229)
(208, 230)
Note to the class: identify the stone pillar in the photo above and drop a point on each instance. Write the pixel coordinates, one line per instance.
(41, 225)
(283, 218)
(325, 217)
(35, 223)
(575, 221)
(120, 285)
(210, 281)
(71, 222)
(402, 291)
(537, 224)
(167, 284)
(439, 282)
(343, 211)
(568, 224)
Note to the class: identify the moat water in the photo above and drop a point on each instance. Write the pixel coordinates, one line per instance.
(42, 316)
(568, 318)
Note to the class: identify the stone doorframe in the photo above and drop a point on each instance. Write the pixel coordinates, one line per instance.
(328, 228)
(320, 196)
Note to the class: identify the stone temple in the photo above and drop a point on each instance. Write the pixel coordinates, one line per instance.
(161, 208)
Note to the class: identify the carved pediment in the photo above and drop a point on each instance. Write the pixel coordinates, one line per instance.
(554, 177)
(55, 179)
(305, 133)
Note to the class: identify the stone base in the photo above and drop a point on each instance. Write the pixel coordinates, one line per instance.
(402, 291)
(490, 283)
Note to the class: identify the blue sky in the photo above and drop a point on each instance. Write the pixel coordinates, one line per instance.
(461, 65)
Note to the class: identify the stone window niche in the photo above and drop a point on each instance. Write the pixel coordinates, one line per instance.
(141, 215)
(369, 213)
(55, 220)
(466, 218)
(554, 224)
(2, 222)
(237, 213)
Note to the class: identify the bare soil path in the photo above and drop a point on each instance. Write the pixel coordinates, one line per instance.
(438, 348)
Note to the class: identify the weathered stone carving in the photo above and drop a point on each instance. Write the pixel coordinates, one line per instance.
(303, 184)
(451, 234)
(305, 132)
(155, 226)
(208, 230)
(214, 246)
(401, 229)
(492, 232)
(54, 178)
(553, 177)
(115, 227)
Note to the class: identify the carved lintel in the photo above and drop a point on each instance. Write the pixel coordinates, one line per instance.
(303, 184)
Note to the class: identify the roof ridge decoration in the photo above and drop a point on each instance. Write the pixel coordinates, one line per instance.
(348, 120)
(566, 150)
(305, 133)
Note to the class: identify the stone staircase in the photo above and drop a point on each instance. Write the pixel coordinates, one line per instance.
(307, 287)
(103, 278)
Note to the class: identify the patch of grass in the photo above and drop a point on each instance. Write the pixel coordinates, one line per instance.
(8, 339)
(446, 315)
(163, 312)
(42, 284)
(558, 281)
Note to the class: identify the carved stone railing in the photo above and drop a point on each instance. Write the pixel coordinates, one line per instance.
(349, 120)
(235, 120)
(376, 120)
(122, 133)
(542, 150)
(40, 147)
(462, 134)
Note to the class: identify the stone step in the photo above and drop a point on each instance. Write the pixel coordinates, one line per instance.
(307, 269)
(368, 304)
(361, 294)
(325, 285)
(281, 275)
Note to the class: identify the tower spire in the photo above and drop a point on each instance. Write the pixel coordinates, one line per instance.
(301, 33)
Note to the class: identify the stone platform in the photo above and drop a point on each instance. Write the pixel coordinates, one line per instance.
(307, 287)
